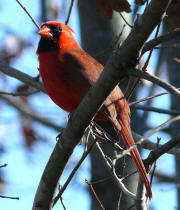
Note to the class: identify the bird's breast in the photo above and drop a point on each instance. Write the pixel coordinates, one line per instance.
(55, 81)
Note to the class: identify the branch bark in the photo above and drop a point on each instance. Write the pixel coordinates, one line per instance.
(161, 39)
(21, 76)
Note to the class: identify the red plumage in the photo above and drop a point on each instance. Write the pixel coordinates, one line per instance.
(68, 72)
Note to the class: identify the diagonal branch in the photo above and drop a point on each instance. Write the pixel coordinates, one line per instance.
(158, 152)
(154, 79)
(141, 140)
(164, 38)
(151, 146)
(29, 112)
(21, 76)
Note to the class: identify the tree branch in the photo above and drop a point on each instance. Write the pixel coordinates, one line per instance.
(10, 71)
(141, 140)
(156, 80)
(158, 152)
(151, 146)
(164, 38)
(29, 112)
(154, 109)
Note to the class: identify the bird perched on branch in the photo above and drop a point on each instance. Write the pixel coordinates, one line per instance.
(68, 72)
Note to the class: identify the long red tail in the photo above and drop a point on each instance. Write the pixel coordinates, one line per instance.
(128, 140)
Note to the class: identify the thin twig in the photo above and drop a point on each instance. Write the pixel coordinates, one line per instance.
(95, 195)
(150, 53)
(175, 46)
(9, 197)
(149, 97)
(122, 175)
(158, 110)
(101, 180)
(155, 154)
(19, 94)
(125, 20)
(130, 174)
(28, 13)
(152, 146)
(112, 46)
(4, 165)
(154, 167)
(115, 177)
(144, 67)
(61, 199)
(125, 152)
(73, 172)
(164, 38)
(154, 79)
(29, 112)
(69, 12)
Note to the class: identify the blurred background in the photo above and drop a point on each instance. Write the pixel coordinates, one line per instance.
(26, 142)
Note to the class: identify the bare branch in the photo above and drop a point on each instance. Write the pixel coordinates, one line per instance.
(125, 20)
(4, 165)
(69, 12)
(18, 94)
(114, 176)
(164, 38)
(9, 197)
(149, 97)
(145, 75)
(94, 193)
(158, 110)
(29, 112)
(73, 172)
(28, 13)
(151, 146)
(125, 152)
(21, 76)
(155, 154)
(61, 199)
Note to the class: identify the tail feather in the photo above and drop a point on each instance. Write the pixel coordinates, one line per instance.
(128, 140)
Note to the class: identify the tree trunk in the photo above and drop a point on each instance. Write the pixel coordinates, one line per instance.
(98, 36)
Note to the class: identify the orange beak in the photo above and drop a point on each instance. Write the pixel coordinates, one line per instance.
(45, 33)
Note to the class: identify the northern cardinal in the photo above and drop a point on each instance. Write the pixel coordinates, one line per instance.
(68, 72)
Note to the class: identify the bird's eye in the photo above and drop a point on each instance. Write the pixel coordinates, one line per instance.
(59, 29)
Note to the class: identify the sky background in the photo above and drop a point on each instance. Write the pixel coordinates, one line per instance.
(25, 167)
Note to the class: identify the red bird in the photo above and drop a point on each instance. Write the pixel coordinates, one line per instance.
(68, 72)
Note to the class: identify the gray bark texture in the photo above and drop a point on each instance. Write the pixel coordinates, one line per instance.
(97, 35)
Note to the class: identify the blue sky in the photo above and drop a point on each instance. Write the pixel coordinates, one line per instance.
(24, 169)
